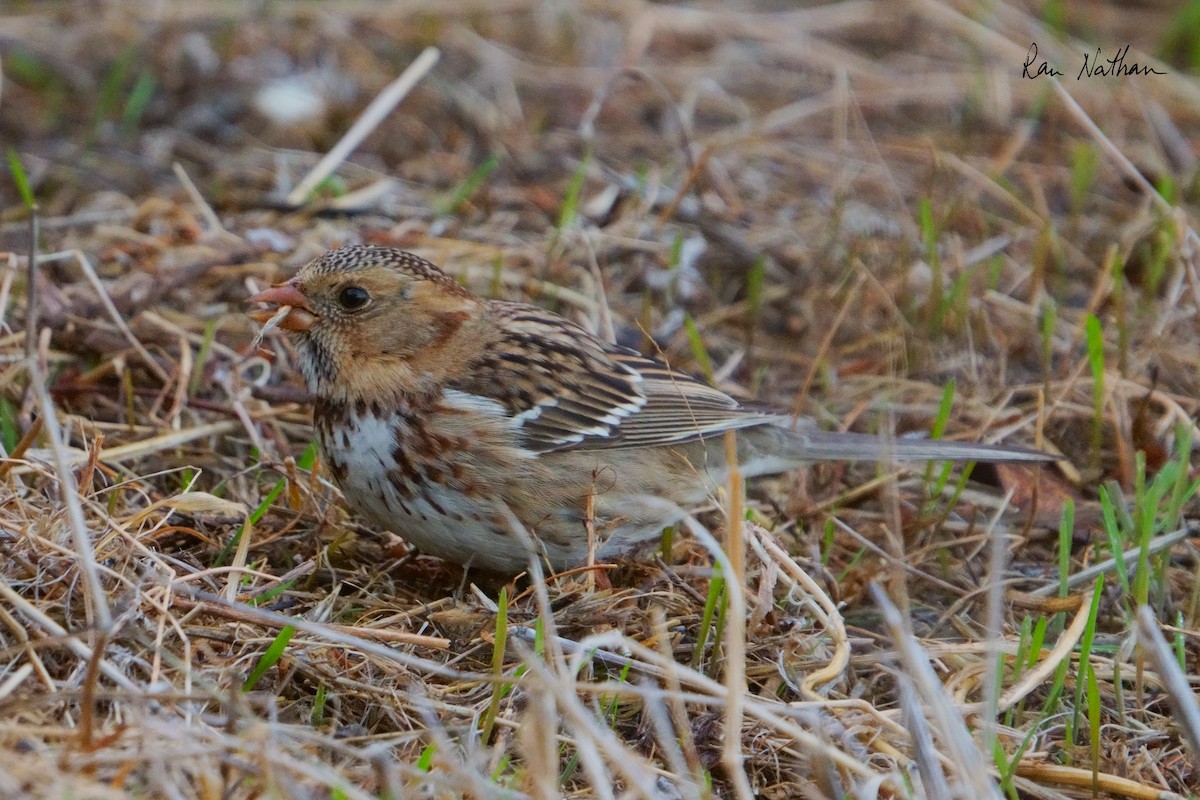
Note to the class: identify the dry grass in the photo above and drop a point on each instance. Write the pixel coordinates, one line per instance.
(855, 204)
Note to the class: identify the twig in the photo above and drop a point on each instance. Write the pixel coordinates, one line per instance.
(1062, 649)
(825, 610)
(379, 108)
(24, 443)
(154, 444)
(636, 773)
(236, 611)
(215, 346)
(70, 497)
(1130, 557)
(10, 261)
(90, 273)
(31, 313)
(27, 609)
(1088, 781)
(328, 633)
(770, 714)
(239, 559)
(994, 622)
(924, 749)
(973, 777)
(732, 756)
(823, 349)
(214, 222)
(14, 680)
(1179, 691)
(606, 322)
(587, 124)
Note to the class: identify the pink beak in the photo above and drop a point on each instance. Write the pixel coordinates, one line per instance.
(300, 318)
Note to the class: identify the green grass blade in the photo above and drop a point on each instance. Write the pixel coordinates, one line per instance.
(936, 307)
(716, 594)
(137, 103)
(272, 593)
(1094, 706)
(317, 716)
(461, 193)
(226, 552)
(109, 96)
(307, 458)
(755, 279)
(945, 406)
(425, 760)
(202, 356)
(1116, 544)
(1084, 161)
(499, 643)
(570, 206)
(270, 658)
(10, 425)
(1144, 512)
(1066, 535)
(699, 352)
(17, 170)
(1181, 489)
(1085, 651)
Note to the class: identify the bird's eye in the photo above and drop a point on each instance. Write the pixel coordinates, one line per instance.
(352, 298)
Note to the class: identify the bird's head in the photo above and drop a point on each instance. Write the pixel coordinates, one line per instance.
(370, 322)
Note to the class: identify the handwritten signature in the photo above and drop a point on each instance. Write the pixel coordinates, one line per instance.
(1094, 66)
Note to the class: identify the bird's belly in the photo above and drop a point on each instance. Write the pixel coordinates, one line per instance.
(442, 523)
(435, 501)
(479, 502)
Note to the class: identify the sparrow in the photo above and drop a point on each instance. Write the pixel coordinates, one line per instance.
(488, 432)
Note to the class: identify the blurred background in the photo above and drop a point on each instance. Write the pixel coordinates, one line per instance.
(858, 210)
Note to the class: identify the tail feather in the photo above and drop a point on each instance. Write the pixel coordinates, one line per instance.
(839, 446)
